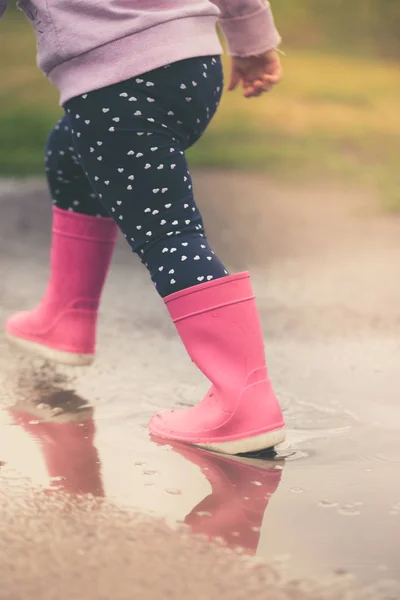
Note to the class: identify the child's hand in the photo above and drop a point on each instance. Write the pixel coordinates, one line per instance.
(258, 74)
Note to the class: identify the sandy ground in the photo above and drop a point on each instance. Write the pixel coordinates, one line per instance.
(326, 509)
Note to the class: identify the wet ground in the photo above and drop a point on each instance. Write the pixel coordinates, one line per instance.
(325, 267)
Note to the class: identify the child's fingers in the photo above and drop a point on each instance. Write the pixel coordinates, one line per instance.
(257, 87)
(234, 81)
(273, 78)
(258, 84)
(249, 91)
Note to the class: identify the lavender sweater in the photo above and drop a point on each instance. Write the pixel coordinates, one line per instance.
(88, 44)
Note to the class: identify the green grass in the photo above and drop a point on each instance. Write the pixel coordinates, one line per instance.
(332, 116)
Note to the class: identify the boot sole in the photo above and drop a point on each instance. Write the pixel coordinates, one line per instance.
(58, 356)
(262, 441)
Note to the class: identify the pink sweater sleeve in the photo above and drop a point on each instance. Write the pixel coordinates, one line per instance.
(248, 26)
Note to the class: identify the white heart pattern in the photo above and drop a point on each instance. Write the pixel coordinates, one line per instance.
(105, 110)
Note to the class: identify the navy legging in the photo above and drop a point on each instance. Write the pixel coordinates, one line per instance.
(119, 151)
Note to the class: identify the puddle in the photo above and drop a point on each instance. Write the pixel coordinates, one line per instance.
(315, 501)
(327, 504)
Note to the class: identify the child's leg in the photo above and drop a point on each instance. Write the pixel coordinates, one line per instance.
(69, 187)
(63, 326)
(131, 139)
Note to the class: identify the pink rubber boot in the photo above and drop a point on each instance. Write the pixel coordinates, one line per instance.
(63, 327)
(219, 325)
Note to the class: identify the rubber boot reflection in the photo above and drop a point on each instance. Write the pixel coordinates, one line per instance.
(65, 435)
(241, 490)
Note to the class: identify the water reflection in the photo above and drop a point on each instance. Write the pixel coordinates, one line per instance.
(63, 428)
(240, 492)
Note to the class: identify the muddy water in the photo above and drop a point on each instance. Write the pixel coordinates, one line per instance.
(325, 269)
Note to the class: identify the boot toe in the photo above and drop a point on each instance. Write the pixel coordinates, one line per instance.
(194, 424)
(17, 323)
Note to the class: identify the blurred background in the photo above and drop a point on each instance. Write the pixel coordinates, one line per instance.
(336, 114)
